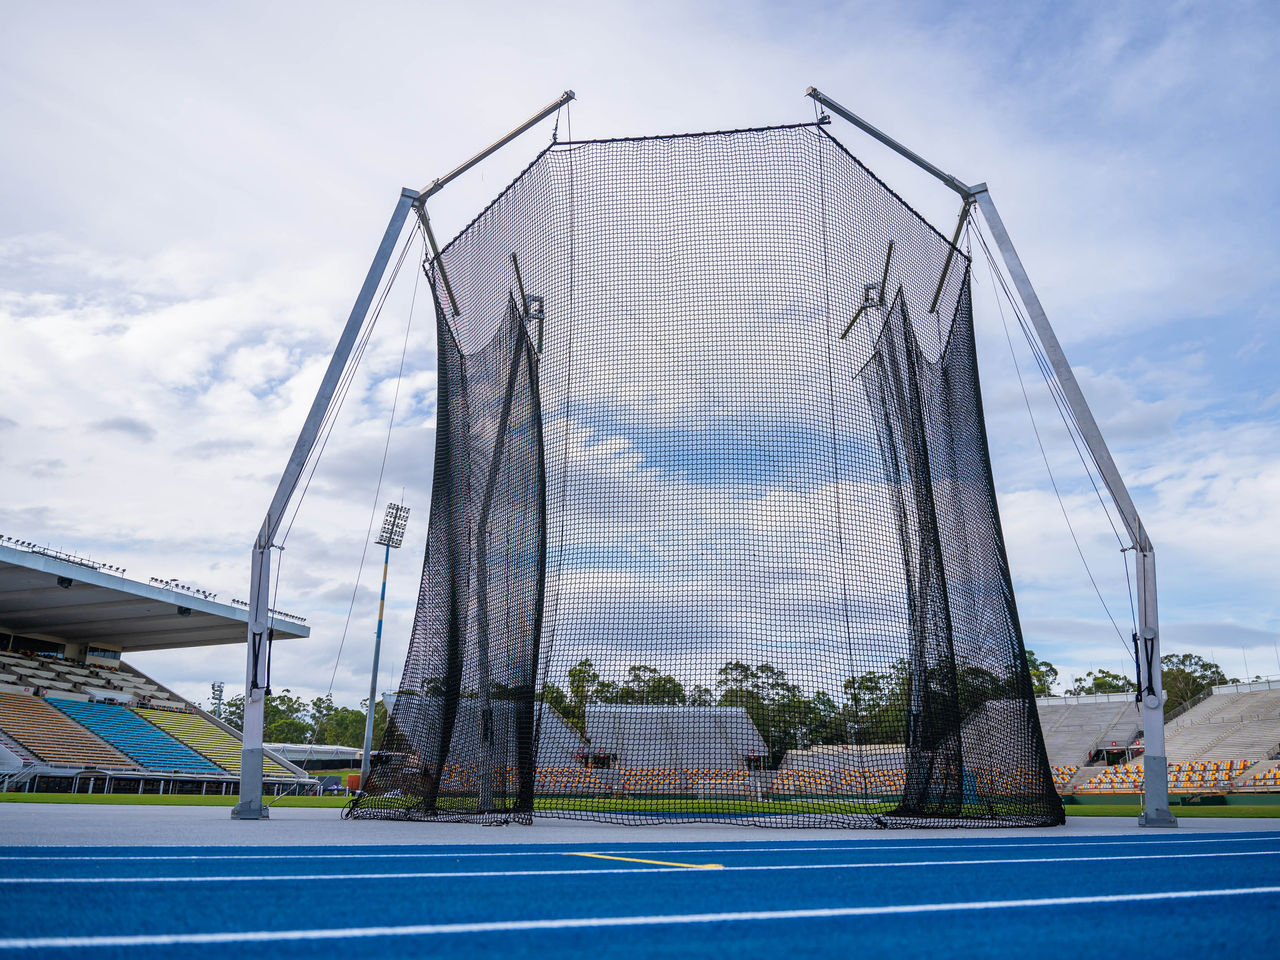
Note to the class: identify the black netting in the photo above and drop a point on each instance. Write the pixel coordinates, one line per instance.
(713, 533)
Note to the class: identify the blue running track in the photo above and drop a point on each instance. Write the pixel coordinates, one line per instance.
(962, 895)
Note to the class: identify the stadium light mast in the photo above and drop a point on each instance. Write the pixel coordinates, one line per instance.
(250, 806)
(1155, 788)
(392, 536)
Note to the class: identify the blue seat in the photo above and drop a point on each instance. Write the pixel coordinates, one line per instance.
(135, 737)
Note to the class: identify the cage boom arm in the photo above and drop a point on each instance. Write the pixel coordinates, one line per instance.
(1156, 789)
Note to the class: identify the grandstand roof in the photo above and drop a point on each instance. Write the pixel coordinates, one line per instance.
(46, 596)
(299, 752)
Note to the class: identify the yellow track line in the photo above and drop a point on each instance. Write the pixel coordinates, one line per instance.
(656, 863)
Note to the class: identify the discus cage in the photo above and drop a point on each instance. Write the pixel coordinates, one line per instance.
(713, 533)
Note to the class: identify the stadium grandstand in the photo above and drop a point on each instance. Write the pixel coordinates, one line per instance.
(563, 763)
(1229, 741)
(75, 717)
(1094, 742)
(1235, 720)
(1226, 740)
(1079, 729)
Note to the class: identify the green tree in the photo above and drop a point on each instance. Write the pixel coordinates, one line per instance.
(583, 680)
(646, 685)
(975, 686)
(701, 696)
(877, 704)
(1102, 681)
(823, 720)
(285, 717)
(338, 726)
(558, 700)
(380, 720)
(233, 711)
(783, 716)
(1043, 675)
(1185, 676)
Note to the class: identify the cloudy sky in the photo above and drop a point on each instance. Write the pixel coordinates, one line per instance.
(189, 199)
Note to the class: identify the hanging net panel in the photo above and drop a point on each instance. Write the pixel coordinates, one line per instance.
(713, 534)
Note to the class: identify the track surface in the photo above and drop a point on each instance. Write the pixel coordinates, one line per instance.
(1207, 894)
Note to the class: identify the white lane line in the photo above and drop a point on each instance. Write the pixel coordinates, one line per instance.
(568, 923)
(440, 875)
(551, 850)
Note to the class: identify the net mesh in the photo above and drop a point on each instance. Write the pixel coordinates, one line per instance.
(713, 533)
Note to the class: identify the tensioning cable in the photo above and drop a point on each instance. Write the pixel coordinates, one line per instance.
(1065, 413)
(391, 419)
(1040, 442)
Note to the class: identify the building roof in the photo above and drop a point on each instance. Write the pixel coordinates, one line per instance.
(45, 596)
(558, 743)
(674, 736)
(300, 752)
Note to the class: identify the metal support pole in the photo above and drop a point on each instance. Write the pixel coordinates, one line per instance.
(373, 678)
(423, 219)
(1155, 763)
(441, 182)
(1156, 785)
(951, 252)
(250, 806)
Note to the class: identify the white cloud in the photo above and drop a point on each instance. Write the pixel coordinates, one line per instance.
(193, 197)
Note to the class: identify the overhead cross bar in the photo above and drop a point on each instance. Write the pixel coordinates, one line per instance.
(438, 184)
(959, 186)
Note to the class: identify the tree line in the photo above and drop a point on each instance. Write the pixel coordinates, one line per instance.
(1184, 676)
(870, 707)
(291, 719)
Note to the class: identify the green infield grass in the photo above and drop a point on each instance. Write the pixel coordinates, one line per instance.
(1131, 810)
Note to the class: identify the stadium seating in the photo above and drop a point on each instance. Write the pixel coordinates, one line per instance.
(54, 737)
(652, 780)
(1237, 720)
(1204, 774)
(134, 737)
(1074, 726)
(204, 738)
(1123, 776)
(855, 780)
(1269, 777)
(568, 780)
(1184, 775)
(692, 780)
(802, 781)
(17, 749)
(807, 781)
(75, 680)
(707, 780)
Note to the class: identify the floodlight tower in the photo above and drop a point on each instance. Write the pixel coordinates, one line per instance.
(393, 525)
